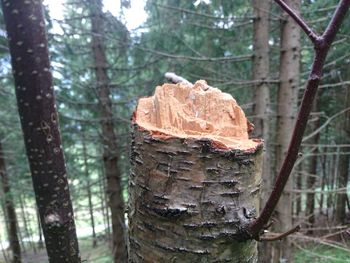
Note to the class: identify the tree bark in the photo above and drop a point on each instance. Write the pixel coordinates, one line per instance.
(262, 100)
(187, 200)
(189, 196)
(109, 139)
(25, 26)
(286, 111)
(9, 212)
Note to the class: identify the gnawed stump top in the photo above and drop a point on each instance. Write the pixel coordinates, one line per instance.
(195, 111)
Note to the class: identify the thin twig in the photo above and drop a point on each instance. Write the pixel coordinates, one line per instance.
(281, 236)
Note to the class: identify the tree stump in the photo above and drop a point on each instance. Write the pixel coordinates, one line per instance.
(195, 177)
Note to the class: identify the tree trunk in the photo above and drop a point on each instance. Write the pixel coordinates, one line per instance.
(25, 26)
(88, 189)
(323, 178)
(262, 100)
(286, 112)
(9, 212)
(261, 89)
(40, 232)
(344, 159)
(109, 140)
(27, 230)
(190, 194)
(312, 172)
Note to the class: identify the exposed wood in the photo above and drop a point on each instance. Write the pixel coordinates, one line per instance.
(193, 185)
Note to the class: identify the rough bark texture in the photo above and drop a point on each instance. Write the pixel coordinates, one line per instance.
(36, 105)
(188, 200)
(10, 213)
(109, 139)
(286, 112)
(190, 196)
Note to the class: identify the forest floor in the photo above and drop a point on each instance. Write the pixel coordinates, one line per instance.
(99, 254)
(102, 254)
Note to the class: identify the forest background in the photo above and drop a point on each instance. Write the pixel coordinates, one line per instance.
(244, 48)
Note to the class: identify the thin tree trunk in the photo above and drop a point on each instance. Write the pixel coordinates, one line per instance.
(9, 212)
(25, 26)
(299, 186)
(286, 112)
(109, 139)
(40, 233)
(323, 179)
(312, 172)
(102, 194)
(344, 159)
(25, 223)
(261, 89)
(88, 189)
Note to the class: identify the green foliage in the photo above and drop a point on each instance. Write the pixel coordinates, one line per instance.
(322, 253)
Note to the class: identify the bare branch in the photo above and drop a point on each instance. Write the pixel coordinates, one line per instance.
(300, 21)
(276, 237)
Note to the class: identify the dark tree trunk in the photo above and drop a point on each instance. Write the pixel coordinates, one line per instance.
(25, 26)
(109, 139)
(9, 212)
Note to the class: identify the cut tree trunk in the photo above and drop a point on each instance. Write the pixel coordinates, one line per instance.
(9, 211)
(109, 139)
(25, 27)
(195, 177)
(286, 111)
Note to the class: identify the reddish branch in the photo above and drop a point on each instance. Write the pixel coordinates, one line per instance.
(322, 45)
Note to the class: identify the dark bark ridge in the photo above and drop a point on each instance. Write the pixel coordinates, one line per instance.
(36, 105)
(190, 201)
(322, 45)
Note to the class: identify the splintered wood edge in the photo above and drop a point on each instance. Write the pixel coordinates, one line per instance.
(195, 112)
